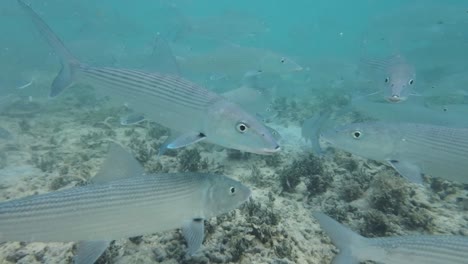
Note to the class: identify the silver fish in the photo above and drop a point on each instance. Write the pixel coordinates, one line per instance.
(399, 77)
(311, 128)
(410, 148)
(121, 202)
(132, 119)
(194, 112)
(254, 101)
(450, 115)
(423, 249)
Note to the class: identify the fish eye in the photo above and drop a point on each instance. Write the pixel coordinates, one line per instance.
(411, 81)
(283, 60)
(387, 80)
(241, 127)
(357, 134)
(232, 190)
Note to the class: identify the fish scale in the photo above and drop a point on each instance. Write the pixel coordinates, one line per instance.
(427, 249)
(125, 208)
(419, 249)
(440, 151)
(436, 150)
(191, 111)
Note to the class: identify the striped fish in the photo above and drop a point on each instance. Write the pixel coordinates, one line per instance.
(193, 112)
(400, 77)
(410, 148)
(121, 202)
(423, 249)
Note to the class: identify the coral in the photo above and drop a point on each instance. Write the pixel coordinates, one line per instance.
(284, 249)
(392, 196)
(189, 160)
(235, 154)
(345, 160)
(307, 167)
(351, 191)
(154, 167)
(355, 184)
(155, 131)
(256, 213)
(239, 245)
(57, 183)
(418, 218)
(256, 177)
(338, 210)
(45, 162)
(24, 126)
(442, 187)
(318, 184)
(376, 224)
(272, 160)
(389, 195)
(136, 240)
(92, 139)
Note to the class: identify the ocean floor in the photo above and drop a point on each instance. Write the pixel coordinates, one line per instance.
(61, 143)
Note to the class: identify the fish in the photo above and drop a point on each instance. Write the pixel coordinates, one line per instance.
(236, 63)
(194, 112)
(412, 149)
(411, 112)
(311, 128)
(416, 249)
(399, 79)
(122, 201)
(254, 101)
(132, 119)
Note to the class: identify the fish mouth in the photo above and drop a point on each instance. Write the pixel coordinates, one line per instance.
(394, 99)
(269, 151)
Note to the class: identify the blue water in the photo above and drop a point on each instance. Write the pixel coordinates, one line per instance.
(221, 46)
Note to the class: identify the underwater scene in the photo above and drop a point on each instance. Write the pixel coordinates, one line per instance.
(267, 131)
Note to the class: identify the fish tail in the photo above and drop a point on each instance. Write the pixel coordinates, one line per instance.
(311, 130)
(69, 63)
(347, 241)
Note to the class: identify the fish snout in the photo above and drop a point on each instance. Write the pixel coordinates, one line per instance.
(395, 98)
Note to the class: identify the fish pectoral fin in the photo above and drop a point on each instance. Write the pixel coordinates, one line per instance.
(89, 251)
(181, 140)
(194, 233)
(408, 170)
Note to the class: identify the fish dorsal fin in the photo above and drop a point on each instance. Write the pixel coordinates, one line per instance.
(119, 164)
(163, 59)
